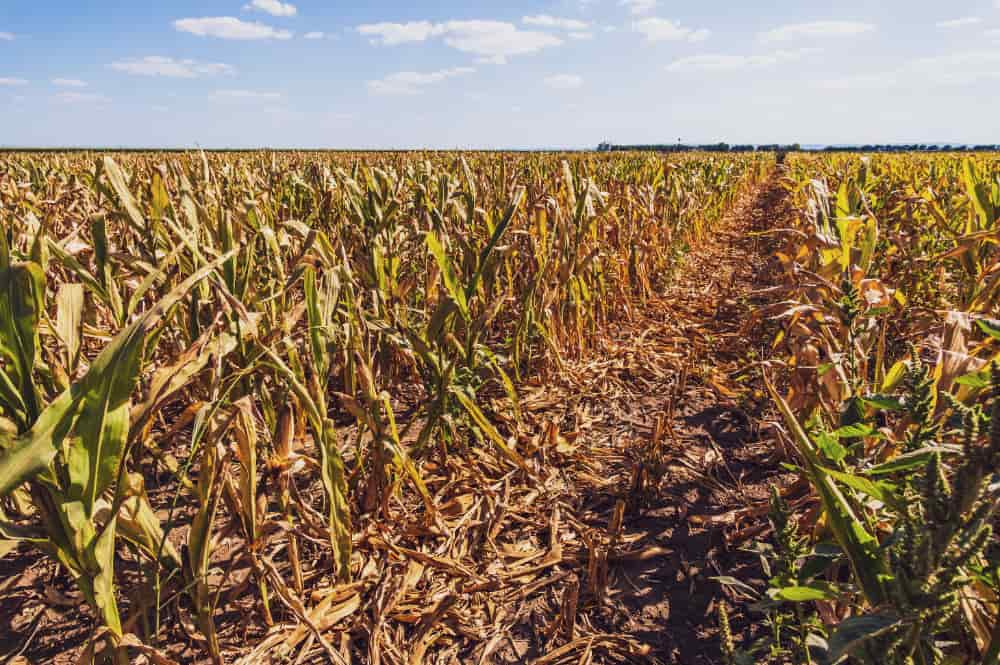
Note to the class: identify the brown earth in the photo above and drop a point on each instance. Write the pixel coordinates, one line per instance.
(651, 466)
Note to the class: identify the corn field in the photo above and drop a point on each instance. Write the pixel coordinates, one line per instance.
(298, 407)
(293, 364)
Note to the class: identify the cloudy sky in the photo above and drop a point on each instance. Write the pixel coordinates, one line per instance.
(525, 73)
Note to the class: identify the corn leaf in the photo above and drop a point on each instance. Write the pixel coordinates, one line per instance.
(101, 399)
(860, 546)
(22, 289)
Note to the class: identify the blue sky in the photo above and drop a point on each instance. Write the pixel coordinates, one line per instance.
(527, 73)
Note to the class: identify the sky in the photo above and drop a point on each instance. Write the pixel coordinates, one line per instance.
(476, 74)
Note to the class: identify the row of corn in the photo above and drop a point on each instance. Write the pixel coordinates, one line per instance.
(890, 401)
(237, 329)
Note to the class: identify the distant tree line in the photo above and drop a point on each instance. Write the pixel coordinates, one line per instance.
(914, 147)
(796, 147)
(707, 147)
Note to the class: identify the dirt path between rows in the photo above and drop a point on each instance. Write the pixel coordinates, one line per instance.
(689, 456)
(652, 468)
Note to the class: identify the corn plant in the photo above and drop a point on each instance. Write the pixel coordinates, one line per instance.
(72, 450)
(900, 455)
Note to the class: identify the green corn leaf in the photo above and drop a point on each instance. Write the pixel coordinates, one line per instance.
(882, 402)
(13, 403)
(831, 447)
(101, 432)
(917, 459)
(335, 484)
(105, 273)
(488, 429)
(22, 290)
(858, 430)
(102, 554)
(448, 274)
(498, 233)
(979, 193)
(401, 457)
(860, 546)
(990, 326)
(32, 452)
(316, 322)
(976, 380)
(883, 491)
(102, 394)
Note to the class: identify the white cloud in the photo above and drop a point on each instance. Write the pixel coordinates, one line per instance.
(495, 41)
(154, 65)
(717, 62)
(546, 21)
(961, 68)
(993, 34)
(816, 30)
(272, 7)
(492, 41)
(81, 98)
(6, 36)
(246, 95)
(13, 81)
(393, 34)
(69, 83)
(581, 36)
(564, 82)
(963, 22)
(227, 27)
(640, 7)
(413, 83)
(315, 35)
(159, 108)
(664, 30)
